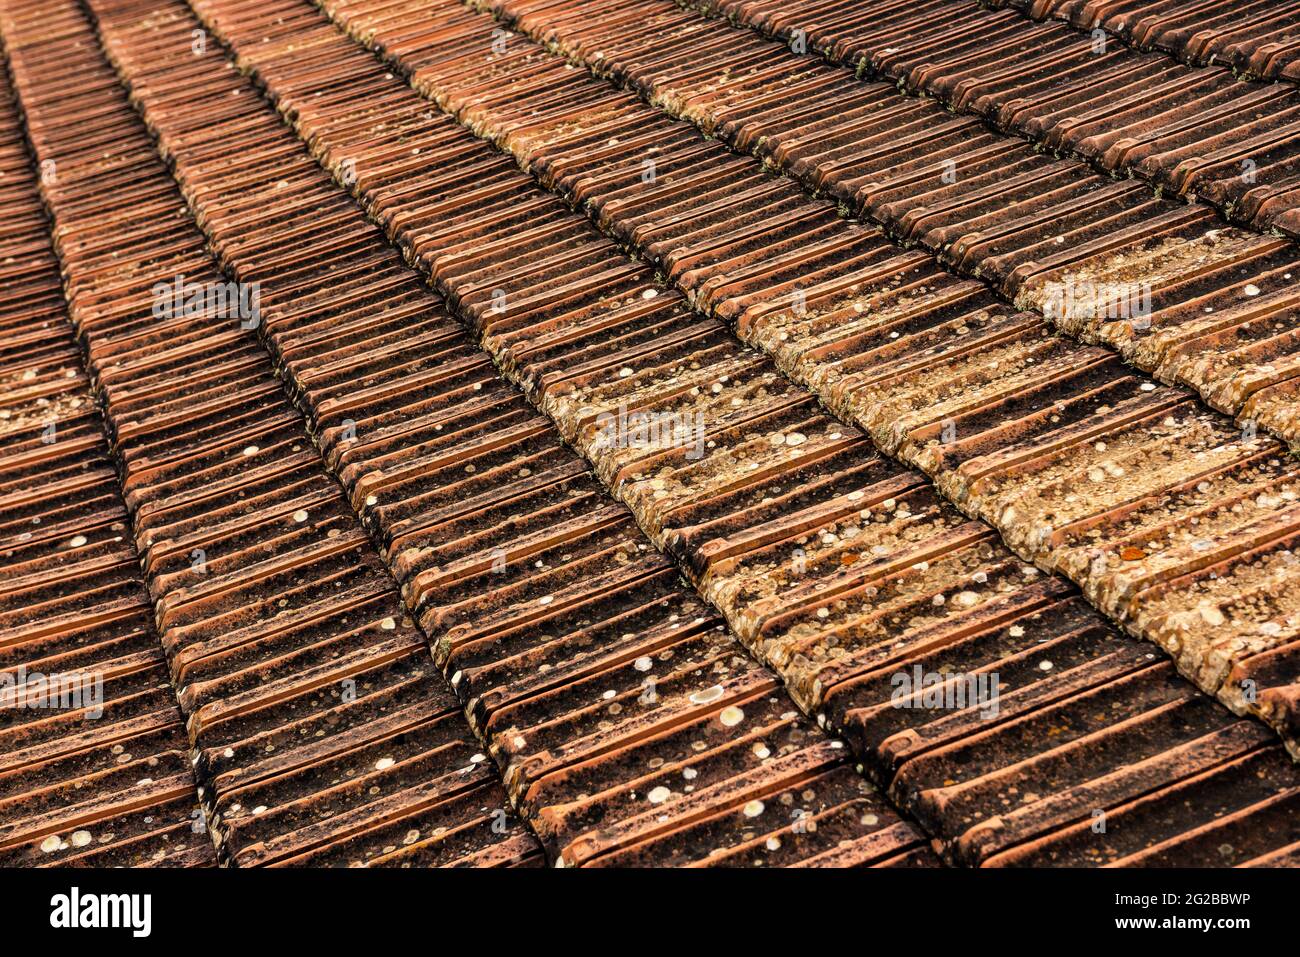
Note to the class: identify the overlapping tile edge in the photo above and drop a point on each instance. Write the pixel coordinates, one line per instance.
(1152, 770)
(778, 757)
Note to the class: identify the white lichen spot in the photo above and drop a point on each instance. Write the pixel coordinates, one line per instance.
(1211, 615)
(707, 696)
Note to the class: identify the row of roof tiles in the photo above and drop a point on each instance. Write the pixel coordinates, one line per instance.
(1211, 792)
(1216, 303)
(94, 760)
(594, 677)
(1171, 520)
(1192, 133)
(1257, 38)
(319, 729)
(598, 681)
(797, 586)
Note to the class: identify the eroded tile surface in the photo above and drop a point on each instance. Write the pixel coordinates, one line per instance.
(875, 468)
(626, 723)
(271, 45)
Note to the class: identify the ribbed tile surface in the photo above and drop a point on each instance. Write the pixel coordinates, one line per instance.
(631, 728)
(1170, 287)
(635, 738)
(1193, 131)
(321, 731)
(94, 760)
(863, 565)
(1173, 521)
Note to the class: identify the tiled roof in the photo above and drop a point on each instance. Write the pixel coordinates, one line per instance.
(105, 779)
(1257, 38)
(419, 598)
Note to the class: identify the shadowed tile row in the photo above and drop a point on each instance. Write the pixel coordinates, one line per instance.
(823, 556)
(1173, 521)
(1169, 286)
(601, 685)
(321, 732)
(94, 760)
